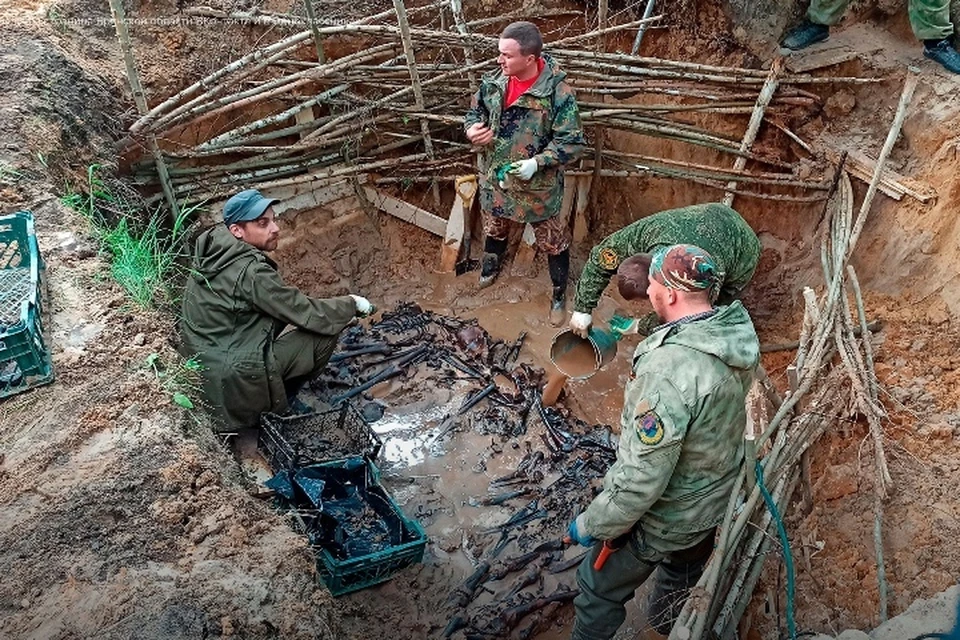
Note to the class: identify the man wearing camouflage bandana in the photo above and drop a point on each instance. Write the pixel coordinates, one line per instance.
(525, 119)
(681, 446)
(715, 227)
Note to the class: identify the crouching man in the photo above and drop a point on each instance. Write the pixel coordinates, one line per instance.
(235, 307)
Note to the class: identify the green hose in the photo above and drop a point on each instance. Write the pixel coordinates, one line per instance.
(785, 543)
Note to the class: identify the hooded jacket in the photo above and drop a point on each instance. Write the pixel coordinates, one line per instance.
(681, 442)
(543, 123)
(235, 305)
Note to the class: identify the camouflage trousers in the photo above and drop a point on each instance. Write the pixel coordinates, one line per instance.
(553, 234)
(930, 19)
(601, 604)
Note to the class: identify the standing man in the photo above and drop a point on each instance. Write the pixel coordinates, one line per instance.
(930, 20)
(681, 446)
(714, 227)
(235, 307)
(525, 118)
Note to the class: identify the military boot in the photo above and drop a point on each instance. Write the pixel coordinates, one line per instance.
(941, 51)
(805, 34)
(558, 307)
(493, 251)
(559, 267)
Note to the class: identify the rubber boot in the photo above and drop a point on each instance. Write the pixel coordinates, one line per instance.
(493, 251)
(943, 52)
(559, 266)
(805, 34)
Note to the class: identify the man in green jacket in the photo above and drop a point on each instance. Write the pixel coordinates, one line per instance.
(235, 310)
(929, 19)
(714, 227)
(681, 447)
(525, 118)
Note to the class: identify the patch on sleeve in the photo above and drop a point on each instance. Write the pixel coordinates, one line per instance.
(608, 259)
(649, 426)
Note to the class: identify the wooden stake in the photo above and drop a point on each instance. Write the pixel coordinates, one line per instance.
(317, 38)
(909, 86)
(120, 22)
(643, 28)
(415, 81)
(766, 94)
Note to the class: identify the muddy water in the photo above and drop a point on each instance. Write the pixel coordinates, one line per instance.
(441, 482)
(574, 356)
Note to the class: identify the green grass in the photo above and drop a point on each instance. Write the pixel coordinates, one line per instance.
(144, 257)
(182, 379)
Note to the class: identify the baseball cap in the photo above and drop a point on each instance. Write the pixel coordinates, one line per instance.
(244, 206)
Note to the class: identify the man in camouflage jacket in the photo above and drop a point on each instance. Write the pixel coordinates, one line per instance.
(714, 227)
(681, 446)
(235, 312)
(525, 118)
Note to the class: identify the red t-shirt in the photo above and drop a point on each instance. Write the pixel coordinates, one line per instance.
(515, 88)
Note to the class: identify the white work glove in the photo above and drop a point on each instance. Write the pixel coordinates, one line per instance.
(364, 308)
(580, 323)
(524, 169)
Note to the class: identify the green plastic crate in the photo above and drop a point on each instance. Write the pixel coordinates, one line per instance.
(24, 356)
(342, 576)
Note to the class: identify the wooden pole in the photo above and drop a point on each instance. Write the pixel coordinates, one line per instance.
(317, 38)
(456, 7)
(598, 131)
(766, 94)
(407, 40)
(648, 10)
(120, 22)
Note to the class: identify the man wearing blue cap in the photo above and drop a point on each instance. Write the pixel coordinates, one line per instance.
(235, 307)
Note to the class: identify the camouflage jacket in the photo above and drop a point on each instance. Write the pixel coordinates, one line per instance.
(235, 305)
(714, 227)
(543, 123)
(681, 442)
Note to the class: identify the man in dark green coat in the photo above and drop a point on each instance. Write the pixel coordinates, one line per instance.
(714, 227)
(235, 308)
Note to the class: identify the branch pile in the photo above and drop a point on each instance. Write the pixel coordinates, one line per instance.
(835, 381)
(277, 116)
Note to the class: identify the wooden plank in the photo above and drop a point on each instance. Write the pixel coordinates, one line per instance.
(822, 58)
(892, 184)
(299, 198)
(890, 178)
(407, 212)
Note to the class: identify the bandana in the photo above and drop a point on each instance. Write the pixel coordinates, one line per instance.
(685, 267)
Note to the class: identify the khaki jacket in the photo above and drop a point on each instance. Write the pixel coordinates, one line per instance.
(681, 443)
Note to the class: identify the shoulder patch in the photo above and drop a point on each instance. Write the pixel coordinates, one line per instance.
(608, 259)
(649, 427)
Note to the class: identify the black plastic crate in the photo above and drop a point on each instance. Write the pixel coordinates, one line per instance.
(345, 564)
(24, 356)
(299, 441)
